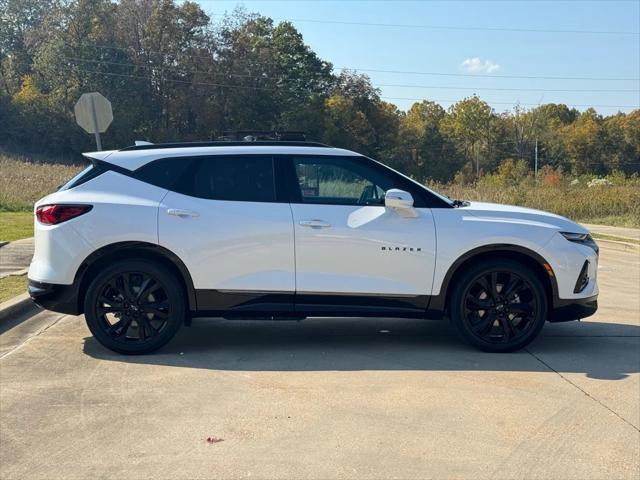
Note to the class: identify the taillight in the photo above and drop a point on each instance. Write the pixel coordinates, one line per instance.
(54, 214)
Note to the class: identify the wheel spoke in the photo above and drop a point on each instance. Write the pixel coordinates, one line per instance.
(122, 325)
(110, 309)
(494, 283)
(485, 322)
(150, 329)
(526, 308)
(477, 304)
(148, 286)
(507, 328)
(126, 287)
(486, 287)
(515, 283)
(113, 285)
(141, 331)
(157, 313)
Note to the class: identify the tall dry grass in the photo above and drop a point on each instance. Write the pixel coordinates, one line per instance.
(22, 182)
(615, 202)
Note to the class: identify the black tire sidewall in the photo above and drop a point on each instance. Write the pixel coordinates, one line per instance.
(457, 304)
(174, 292)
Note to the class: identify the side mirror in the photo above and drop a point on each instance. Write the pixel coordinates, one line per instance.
(401, 202)
(398, 199)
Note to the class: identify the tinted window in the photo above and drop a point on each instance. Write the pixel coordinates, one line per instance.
(92, 171)
(340, 181)
(242, 179)
(165, 173)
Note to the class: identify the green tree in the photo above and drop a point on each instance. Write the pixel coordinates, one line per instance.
(470, 123)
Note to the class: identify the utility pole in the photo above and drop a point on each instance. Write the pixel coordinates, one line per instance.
(535, 169)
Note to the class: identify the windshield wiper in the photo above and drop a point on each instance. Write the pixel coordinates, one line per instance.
(460, 203)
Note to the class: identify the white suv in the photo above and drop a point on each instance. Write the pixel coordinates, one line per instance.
(150, 236)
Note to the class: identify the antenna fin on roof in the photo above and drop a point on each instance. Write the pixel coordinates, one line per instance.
(142, 142)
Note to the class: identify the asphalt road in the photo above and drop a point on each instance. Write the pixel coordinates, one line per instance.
(363, 398)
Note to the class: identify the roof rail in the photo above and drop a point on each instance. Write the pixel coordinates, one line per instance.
(268, 135)
(257, 143)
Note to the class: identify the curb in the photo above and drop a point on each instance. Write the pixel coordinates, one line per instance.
(3, 243)
(617, 243)
(20, 305)
(16, 273)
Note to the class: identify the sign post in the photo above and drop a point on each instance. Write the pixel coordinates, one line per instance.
(94, 114)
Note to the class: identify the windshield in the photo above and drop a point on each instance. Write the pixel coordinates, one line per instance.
(440, 196)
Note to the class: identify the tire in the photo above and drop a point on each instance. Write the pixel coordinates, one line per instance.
(498, 305)
(134, 306)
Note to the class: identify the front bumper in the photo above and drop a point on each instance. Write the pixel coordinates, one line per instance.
(567, 310)
(58, 298)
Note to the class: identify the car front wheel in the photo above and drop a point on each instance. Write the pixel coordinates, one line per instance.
(498, 305)
(134, 306)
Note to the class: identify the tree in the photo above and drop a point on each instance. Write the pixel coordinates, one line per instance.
(470, 123)
(584, 142)
(424, 149)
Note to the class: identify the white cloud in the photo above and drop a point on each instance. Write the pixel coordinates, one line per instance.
(475, 65)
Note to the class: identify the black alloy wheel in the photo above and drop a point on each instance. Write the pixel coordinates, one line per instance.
(134, 307)
(499, 306)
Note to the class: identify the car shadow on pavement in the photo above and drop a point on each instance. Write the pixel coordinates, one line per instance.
(600, 350)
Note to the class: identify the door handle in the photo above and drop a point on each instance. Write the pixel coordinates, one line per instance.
(314, 223)
(182, 213)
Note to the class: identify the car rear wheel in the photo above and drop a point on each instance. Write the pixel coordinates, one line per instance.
(134, 306)
(498, 305)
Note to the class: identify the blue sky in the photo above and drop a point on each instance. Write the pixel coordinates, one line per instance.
(484, 53)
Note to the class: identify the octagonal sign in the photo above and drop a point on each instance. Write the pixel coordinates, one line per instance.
(93, 112)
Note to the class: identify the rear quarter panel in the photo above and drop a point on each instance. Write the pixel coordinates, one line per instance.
(124, 209)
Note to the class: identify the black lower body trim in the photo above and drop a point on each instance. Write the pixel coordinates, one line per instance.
(58, 298)
(243, 303)
(568, 310)
(359, 305)
(231, 304)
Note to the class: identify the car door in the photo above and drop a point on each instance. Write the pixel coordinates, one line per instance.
(352, 252)
(223, 220)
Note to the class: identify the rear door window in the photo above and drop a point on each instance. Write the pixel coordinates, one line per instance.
(240, 179)
(232, 178)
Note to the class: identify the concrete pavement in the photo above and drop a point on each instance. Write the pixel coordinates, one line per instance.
(358, 398)
(15, 257)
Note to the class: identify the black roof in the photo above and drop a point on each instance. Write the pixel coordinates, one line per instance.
(257, 143)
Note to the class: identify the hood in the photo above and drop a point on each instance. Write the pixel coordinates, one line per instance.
(513, 214)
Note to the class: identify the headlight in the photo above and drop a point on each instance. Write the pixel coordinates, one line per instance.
(582, 239)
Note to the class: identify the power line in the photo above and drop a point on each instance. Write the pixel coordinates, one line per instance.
(247, 87)
(514, 103)
(265, 76)
(533, 77)
(448, 27)
(403, 72)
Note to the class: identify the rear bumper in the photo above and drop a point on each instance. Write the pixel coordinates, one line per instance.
(567, 310)
(58, 298)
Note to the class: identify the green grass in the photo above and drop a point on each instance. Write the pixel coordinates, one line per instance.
(16, 225)
(12, 286)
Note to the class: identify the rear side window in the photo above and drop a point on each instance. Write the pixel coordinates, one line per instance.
(167, 172)
(92, 171)
(241, 179)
